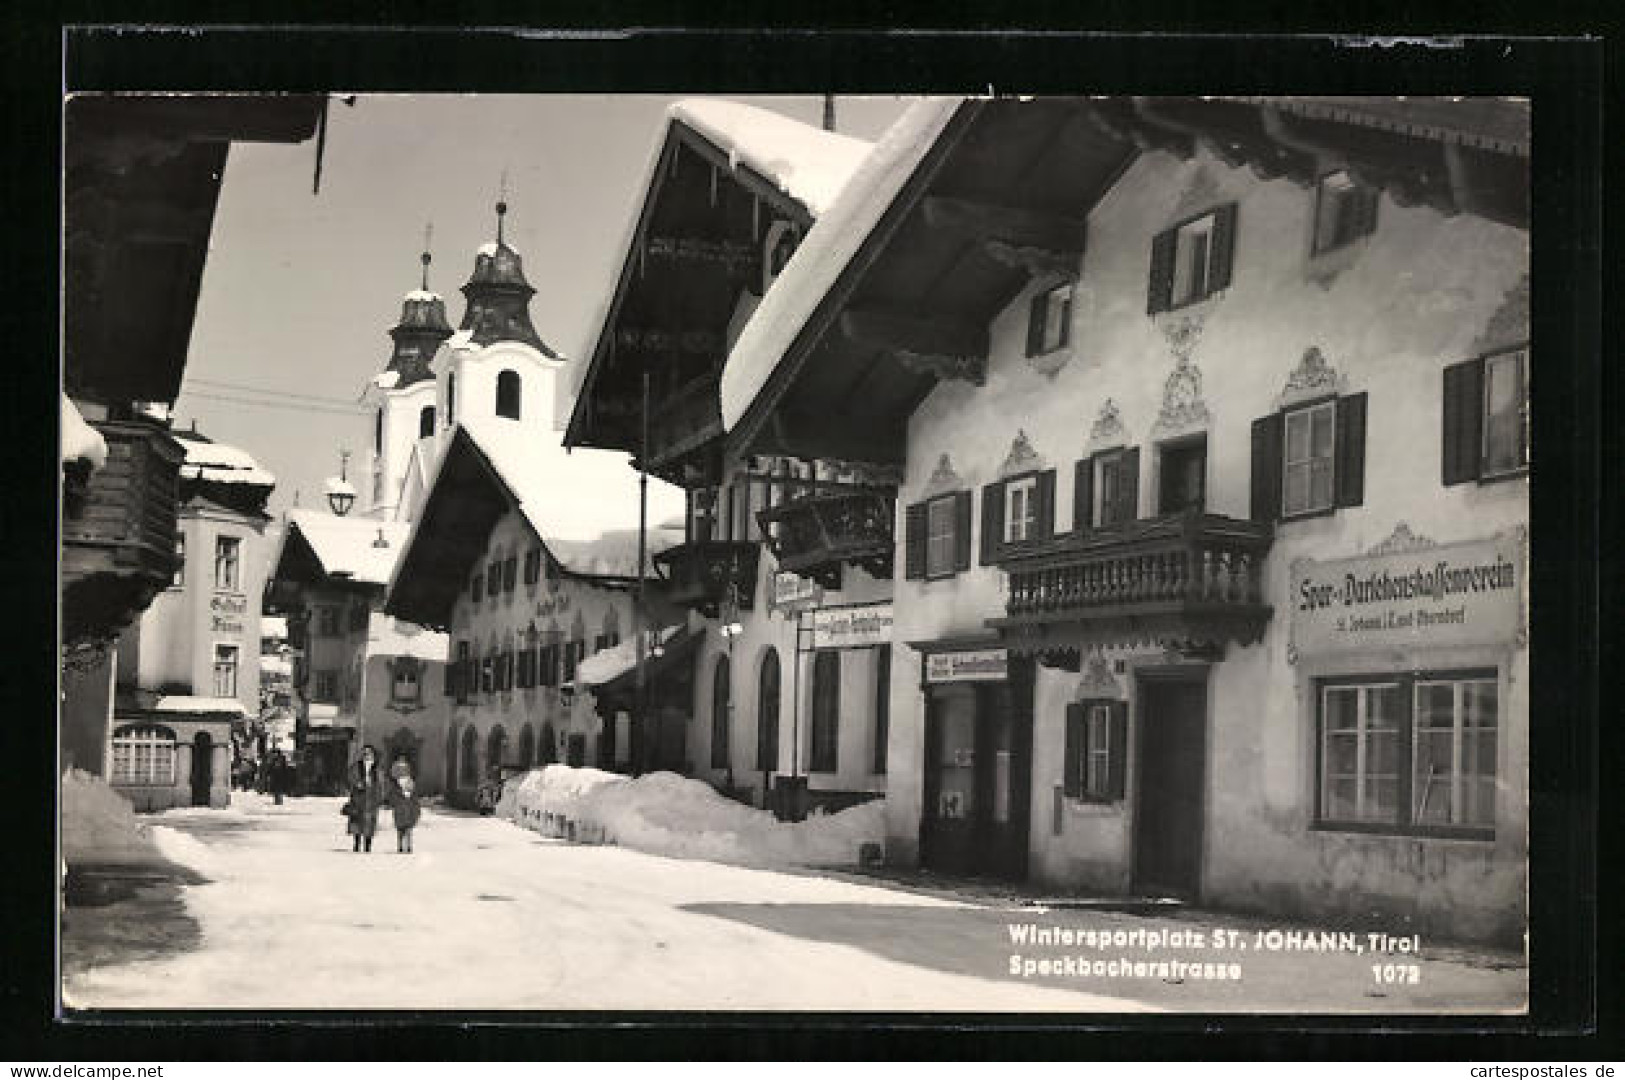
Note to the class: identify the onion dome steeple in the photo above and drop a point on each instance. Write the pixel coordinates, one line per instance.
(499, 296)
(422, 328)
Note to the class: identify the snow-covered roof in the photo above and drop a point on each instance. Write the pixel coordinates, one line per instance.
(386, 380)
(80, 441)
(185, 703)
(807, 163)
(422, 296)
(219, 463)
(487, 248)
(276, 665)
(582, 503)
(274, 627)
(389, 636)
(825, 252)
(348, 546)
(608, 664)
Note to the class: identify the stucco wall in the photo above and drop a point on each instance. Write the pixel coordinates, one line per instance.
(383, 720)
(574, 608)
(1388, 315)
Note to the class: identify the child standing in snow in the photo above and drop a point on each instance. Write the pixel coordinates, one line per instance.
(403, 803)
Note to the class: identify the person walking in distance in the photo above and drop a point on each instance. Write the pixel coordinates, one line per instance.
(369, 790)
(403, 803)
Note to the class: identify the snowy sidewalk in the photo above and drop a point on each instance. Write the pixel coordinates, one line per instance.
(487, 915)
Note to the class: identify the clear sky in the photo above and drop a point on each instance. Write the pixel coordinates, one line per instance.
(300, 290)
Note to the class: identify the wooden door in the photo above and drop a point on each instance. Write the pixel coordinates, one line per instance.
(202, 768)
(1171, 787)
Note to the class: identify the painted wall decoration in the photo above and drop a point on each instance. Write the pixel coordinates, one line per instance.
(1313, 378)
(1108, 430)
(1183, 411)
(1022, 458)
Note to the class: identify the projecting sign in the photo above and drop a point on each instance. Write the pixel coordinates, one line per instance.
(792, 592)
(852, 627)
(976, 665)
(1425, 595)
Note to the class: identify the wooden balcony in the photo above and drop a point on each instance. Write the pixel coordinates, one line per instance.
(683, 421)
(814, 535)
(701, 574)
(118, 531)
(1190, 581)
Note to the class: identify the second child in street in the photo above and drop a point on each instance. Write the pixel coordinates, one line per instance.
(369, 790)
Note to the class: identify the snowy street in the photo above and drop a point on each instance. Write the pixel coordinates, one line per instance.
(487, 915)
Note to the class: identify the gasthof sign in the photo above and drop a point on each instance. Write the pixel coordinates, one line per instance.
(852, 627)
(1449, 594)
(977, 665)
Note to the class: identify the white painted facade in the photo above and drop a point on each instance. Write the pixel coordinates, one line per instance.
(1388, 314)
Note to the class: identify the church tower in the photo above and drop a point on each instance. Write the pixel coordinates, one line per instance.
(403, 395)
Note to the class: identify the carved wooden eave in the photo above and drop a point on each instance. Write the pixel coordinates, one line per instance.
(1036, 262)
(737, 256)
(940, 348)
(1040, 244)
(665, 340)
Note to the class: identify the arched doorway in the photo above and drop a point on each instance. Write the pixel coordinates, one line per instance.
(202, 768)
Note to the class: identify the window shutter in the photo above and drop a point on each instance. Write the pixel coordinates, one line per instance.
(1222, 252)
(1463, 421)
(914, 541)
(1035, 323)
(1045, 498)
(962, 531)
(1072, 778)
(1117, 765)
(1266, 494)
(1128, 490)
(1083, 495)
(1160, 287)
(992, 522)
(1350, 450)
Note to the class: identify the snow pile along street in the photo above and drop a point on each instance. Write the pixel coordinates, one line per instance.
(666, 814)
(98, 824)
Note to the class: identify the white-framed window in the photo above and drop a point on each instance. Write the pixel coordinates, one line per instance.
(1307, 464)
(1020, 509)
(143, 754)
(1192, 247)
(1345, 211)
(1049, 325)
(1410, 753)
(940, 542)
(1506, 413)
(1097, 749)
(227, 563)
(225, 671)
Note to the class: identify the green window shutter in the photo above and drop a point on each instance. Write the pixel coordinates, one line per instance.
(1117, 766)
(1266, 478)
(962, 531)
(1463, 421)
(992, 522)
(1128, 490)
(914, 541)
(1349, 448)
(1045, 500)
(1083, 495)
(1222, 253)
(1160, 286)
(1072, 778)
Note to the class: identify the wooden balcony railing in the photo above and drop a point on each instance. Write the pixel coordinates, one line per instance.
(704, 574)
(1184, 580)
(118, 530)
(815, 534)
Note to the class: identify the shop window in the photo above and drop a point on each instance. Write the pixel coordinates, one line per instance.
(468, 763)
(327, 687)
(1345, 211)
(227, 563)
(937, 536)
(425, 421)
(1182, 475)
(508, 389)
(1106, 489)
(1049, 320)
(882, 706)
(179, 577)
(1192, 260)
(1410, 753)
(1486, 417)
(721, 714)
(225, 671)
(767, 713)
(1096, 751)
(826, 716)
(1017, 511)
(143, 754)
(1309, 459)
